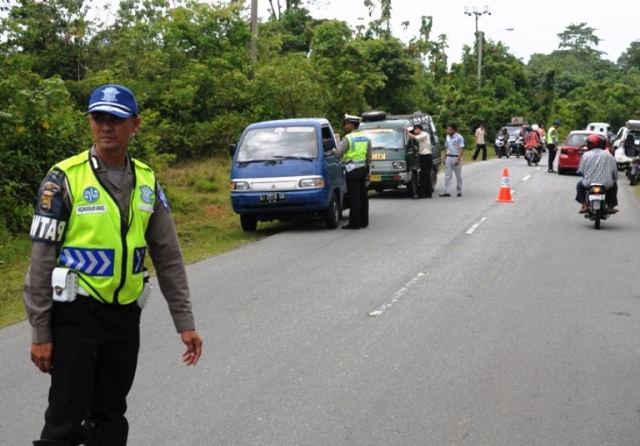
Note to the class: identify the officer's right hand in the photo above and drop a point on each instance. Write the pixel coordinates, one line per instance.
(194, 347)
(41, 356)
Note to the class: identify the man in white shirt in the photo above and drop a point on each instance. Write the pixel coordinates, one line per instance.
(481, 132)
(454, 146)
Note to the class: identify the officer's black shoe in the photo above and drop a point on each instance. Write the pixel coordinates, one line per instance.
(445, 195)
(459, 194)
(415, 197)
(349, 227)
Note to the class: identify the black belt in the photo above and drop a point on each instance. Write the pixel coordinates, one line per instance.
(453, 155)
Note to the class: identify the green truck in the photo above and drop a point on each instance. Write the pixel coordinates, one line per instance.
(395, 162)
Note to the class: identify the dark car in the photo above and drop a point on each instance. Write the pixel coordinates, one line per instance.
(572, 149)
(514, 129)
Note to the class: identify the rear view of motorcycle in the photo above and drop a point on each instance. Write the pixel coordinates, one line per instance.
(597, 209)
(532, 156)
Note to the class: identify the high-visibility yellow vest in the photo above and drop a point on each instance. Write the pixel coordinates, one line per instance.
(106, 248)
(358, 145)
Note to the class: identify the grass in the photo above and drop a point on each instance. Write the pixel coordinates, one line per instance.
(198, 194)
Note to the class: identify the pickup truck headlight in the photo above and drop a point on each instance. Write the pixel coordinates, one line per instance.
(240, 185)
(310, 183)
(399, 165)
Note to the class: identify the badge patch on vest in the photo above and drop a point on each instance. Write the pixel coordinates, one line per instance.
(91, 194)
(146, 194)
(138, 260)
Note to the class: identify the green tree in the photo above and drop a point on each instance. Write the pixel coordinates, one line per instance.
(580, 39)
(48, 37)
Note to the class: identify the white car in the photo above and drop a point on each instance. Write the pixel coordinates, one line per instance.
(624, 153)
(599, 127)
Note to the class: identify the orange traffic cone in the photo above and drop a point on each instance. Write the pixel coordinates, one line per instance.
(504, 196)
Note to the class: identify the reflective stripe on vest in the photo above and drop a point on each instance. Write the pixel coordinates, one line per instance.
(358, 145)
(107, 254)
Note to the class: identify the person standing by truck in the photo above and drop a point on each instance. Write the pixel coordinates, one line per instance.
(355, 149)
(454, 146)
(426, 160)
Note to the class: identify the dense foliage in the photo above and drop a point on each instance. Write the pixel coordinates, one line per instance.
(190, 66)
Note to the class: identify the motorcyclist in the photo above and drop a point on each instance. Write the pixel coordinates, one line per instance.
(532, 140)
(504, 133)
(598, 166)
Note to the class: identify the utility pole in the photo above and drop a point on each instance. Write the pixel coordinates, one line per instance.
(479, 36)
(254, 30)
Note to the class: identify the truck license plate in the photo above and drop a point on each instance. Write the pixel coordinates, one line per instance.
(374, 178)
(272, 198)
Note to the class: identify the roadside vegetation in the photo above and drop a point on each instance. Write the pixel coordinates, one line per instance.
(198, 86)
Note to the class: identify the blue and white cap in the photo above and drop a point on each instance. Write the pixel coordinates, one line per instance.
(113, 99)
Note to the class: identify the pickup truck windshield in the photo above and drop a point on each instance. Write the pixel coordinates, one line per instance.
(385, 138)
(277, 143)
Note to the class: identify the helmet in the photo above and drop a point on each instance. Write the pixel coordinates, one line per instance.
(556, 122)
(534, 127)
(595, 141)
(529, 128)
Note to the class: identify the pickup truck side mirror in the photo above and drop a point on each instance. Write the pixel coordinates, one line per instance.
(232, 149)
(328, 144)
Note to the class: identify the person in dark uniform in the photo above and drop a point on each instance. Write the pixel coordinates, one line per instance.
(355, 149)
(98, 215)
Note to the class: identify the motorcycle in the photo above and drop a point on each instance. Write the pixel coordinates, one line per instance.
(596, 209)
(532, 155)
(502, 146)
(517, 148)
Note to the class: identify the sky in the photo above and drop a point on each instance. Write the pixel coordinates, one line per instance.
(535, 24)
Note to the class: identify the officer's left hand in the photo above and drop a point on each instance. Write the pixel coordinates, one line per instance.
(194, 347)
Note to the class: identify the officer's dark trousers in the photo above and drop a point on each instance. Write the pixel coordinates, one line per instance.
(95, 352)
(426, 166)
(551, 148)
(358, 198)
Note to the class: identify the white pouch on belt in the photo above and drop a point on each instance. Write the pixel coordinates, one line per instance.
(65, 284)
(146, 290)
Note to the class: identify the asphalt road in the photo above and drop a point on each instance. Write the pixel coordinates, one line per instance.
(450, 321)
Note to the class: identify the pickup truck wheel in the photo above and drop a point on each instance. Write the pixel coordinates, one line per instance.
(434, 179)
(248, 222)
(332, 214)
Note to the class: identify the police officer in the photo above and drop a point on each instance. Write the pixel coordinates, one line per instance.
(355, 149)
(98, 215)
(552, 144)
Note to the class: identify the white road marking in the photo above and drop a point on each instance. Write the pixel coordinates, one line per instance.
(475, 226)
(526, 178)
(398, 295)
